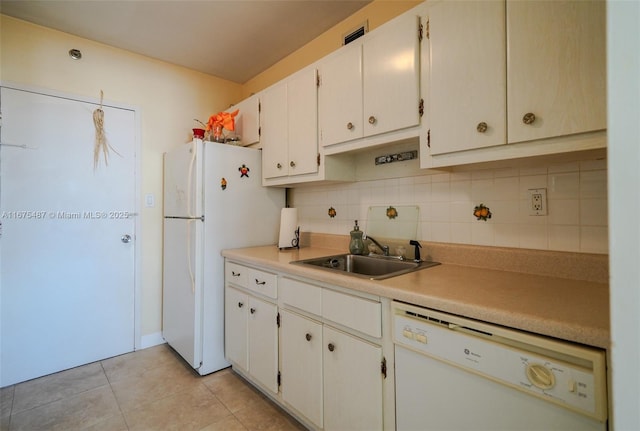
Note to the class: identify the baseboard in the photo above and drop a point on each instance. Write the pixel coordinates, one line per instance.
(151, 340)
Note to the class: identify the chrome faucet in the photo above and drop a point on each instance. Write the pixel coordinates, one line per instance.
(384, 248)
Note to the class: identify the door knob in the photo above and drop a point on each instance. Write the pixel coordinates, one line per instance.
(125, 238)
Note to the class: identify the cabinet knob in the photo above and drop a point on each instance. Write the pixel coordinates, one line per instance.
(292, 164)
(240, 304)
(481, 127)
(308, 337)
(350, 126)
(252, 310)
(372, 120)
(331, 347)
(279, 166)
(529, 118)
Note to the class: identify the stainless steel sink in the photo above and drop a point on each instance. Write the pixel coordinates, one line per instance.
(372, 266)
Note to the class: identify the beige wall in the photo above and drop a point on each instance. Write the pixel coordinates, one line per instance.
(168, 97)
(376, 13)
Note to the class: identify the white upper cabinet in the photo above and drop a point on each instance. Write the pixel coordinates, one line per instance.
(289, 115)
(514, 79)
(391, 76)
(372, 86)
(247, 122)
(273, 119)
(302, 101)
(467, 79)
(340, 96)
(557, 68)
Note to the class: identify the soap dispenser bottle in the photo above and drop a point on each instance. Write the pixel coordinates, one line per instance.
(356, 245)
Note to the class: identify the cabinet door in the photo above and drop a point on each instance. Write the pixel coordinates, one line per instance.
(302, 120)
(340, 96)
(274, 131)
(301, 350)
(467, 76)
(556, 68)
(352, 382)
(236, 305)
(391, 75)
(263, 343)
(247, 122)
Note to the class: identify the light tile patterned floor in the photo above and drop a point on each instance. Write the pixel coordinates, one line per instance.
(151, 389)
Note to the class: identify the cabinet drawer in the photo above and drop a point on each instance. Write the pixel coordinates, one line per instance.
(301, 295)
(236, 274)
(357, 313)
(262, 282)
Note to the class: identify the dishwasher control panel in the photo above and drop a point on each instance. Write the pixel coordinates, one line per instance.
(563, 373)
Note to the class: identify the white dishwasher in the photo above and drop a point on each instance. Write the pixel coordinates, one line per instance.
(454, 373)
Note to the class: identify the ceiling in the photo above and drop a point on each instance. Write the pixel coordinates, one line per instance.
(231, 39)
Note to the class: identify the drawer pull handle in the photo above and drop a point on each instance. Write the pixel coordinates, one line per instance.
(331, 347)
(235, 274)
(252, 310)
(529, 118)
(260, 283)
(308, 337)
(240, 304)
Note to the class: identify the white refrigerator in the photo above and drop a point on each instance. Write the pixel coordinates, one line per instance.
(213, 199)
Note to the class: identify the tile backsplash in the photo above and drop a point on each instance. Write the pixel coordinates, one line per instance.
(576, 200)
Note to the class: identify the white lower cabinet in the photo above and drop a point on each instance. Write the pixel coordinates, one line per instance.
(263, 342)
(333, 377)
(352, 382)
(301, 351)
(251, 336)
(316, 350)
(236, 327)
(251, 330)
(329, 376)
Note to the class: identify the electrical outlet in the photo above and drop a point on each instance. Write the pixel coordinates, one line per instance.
(537, 202)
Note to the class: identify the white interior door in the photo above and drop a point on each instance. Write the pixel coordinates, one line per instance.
(67, 268)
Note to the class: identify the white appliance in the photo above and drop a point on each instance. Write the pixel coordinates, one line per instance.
(459, 374)
(213, 200)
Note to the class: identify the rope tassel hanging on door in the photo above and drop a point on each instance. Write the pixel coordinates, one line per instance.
(101, 145)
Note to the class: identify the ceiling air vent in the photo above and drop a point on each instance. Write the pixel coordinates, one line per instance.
(355, 33)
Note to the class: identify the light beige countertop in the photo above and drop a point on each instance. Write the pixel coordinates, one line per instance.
(568, 309)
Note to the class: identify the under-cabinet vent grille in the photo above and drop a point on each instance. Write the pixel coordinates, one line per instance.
(356, 33)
